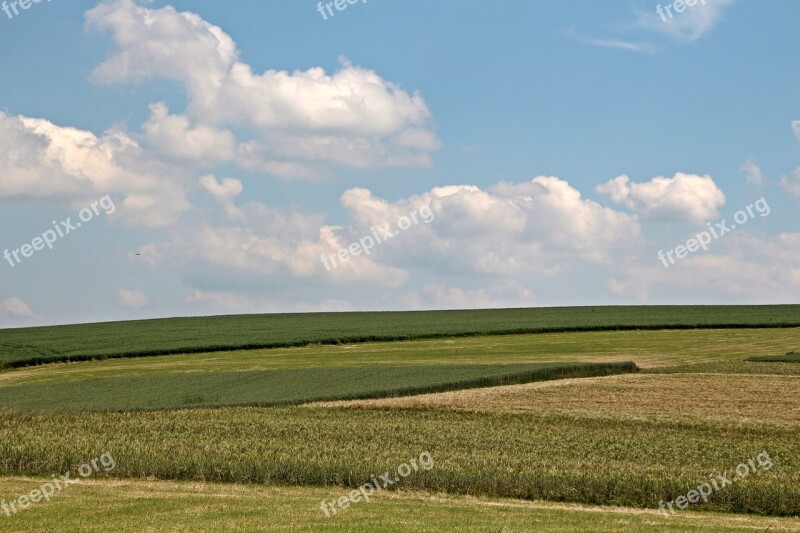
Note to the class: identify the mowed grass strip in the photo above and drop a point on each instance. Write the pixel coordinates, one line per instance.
(28, 346)
(742, 400)
(281, 387)
(136, 505)
(554, 458)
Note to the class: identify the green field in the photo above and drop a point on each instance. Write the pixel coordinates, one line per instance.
(660, 350)
(21, 347)
(281, 387)
(509, 448)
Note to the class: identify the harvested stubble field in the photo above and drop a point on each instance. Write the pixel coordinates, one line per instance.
(738, 399)
(632, 440)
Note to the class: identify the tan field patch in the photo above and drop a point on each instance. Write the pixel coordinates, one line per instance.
(746, 399)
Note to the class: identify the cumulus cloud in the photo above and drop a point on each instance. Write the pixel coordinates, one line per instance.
(259, 240)
(490, 247)
(174, 136)
(791, 183)
(132, 299)
(539, 226)
(753, 173)
(558, 217)
(684, 196)
(15, 307)
(224, 192)
(43, 160)
(303, 119)
(750, 267)
(163, 43)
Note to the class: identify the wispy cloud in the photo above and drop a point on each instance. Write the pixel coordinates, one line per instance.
(612, 43)
(692, 23)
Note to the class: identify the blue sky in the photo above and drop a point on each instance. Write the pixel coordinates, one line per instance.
(559, 147)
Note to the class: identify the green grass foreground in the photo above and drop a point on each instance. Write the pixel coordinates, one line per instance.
(283, 386)
(555, 458)
(132, 506)
(30, 346)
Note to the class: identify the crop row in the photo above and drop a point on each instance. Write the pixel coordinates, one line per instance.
(557, 458)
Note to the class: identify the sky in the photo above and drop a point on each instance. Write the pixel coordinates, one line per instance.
(199, 158)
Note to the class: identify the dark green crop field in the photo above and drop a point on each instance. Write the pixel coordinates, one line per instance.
(282, 387)
(28, 346)
(791, 357)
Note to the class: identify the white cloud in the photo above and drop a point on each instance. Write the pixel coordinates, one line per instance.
(227, 301)
(791, 183)
(224, 192)
(162, 42)
(224, 301)
(132, 299)
(753, 173)
(688, 26)
(15, 307)
(43, 160)
(305, 120)
(541, 227)
(750, 267)
(796, 128)
(684, 196)
(440, 296)
(263, 241)
(174, 136)
(492, 247)
(562, 221)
